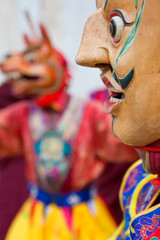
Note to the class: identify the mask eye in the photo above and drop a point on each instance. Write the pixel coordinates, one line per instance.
(30, 57)
(116, 28)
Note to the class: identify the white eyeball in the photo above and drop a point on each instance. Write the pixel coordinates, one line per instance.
(116, 28)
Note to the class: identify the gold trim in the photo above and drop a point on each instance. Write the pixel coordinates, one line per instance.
(145, 212)
(118, 231)
(137, 163)
(134, 198)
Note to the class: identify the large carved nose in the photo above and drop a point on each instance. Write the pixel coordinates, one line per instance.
(93, 50)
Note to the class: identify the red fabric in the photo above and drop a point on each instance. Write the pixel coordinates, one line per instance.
(13, 185)
(52, 98)
(90, 150)
(94, 144)
(148, 149)
(15, 137)
(156, 181)
(155, 235)
(154, 155)
(100, 95)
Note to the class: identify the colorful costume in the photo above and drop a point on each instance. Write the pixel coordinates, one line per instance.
(66, 143)
(33, 132)
(31, 127)
(138, 194)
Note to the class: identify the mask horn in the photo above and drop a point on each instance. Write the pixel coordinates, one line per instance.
(31, 26)
(45, 34)
(26, 40)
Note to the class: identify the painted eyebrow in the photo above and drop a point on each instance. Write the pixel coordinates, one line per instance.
(31, 49)
(126, 23)
(106, 1)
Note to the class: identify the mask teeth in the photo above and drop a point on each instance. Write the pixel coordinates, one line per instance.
(112, 99)
(13, 75)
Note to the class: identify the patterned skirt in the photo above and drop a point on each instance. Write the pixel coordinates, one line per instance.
(86, 220)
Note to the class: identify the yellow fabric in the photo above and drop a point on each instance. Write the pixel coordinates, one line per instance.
(89, 221)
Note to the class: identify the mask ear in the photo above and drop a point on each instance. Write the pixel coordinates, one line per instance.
(26, 40)
(45, 35)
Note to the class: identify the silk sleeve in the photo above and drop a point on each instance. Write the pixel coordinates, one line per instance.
(11, 129)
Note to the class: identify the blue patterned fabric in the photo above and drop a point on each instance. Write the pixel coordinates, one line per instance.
(134, 180)
(65, 200)
(145, 224)
(136, 194)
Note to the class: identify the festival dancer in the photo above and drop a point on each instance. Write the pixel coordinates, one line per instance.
(122, 38)
(64, 142)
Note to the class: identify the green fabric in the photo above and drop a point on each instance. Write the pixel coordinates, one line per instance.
(131, 37)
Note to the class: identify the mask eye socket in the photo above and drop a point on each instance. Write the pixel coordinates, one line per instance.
(116, 28)
(30, 58)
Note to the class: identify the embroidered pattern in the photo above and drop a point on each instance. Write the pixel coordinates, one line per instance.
(145, 225)
(52, 154)
(136, 194)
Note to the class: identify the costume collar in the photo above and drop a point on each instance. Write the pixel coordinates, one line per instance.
(57, 100)
(149, 149)
(154, 156)
(152, 147)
